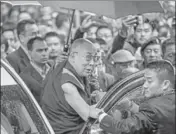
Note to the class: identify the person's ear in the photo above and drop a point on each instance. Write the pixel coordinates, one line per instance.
(21, 38)
(165, 85)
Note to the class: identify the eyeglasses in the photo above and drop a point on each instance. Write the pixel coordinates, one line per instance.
(90, 57)
(95, 58)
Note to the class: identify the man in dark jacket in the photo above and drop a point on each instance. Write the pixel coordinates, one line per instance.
(155, 114)
(142, 33)
(20, 58)
(35, 73)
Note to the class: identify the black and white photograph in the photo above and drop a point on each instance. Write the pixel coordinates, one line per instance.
(88, 67)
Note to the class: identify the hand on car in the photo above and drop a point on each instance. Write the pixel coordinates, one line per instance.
(94, 112)
(98, 95)
(62, 57)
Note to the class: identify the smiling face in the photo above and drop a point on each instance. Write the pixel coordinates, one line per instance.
(85, 61)
(83, 57)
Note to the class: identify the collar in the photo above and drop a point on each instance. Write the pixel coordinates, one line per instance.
(42, 71)
(26, 52)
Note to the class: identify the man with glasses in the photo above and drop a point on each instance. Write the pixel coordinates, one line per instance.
(19, 59)
(67, 101)
(105, 33)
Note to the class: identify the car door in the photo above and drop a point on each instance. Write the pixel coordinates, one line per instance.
(18, 106)
(130, 87)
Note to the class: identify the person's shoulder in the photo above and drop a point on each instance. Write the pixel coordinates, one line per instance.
(27, 70)
(160, 101)
(69, 87)
(13, 55)
(162, 98)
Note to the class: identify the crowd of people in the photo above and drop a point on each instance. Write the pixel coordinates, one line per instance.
(68, 84)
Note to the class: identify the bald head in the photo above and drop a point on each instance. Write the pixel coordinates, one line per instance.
(82, 45)
(82, 56)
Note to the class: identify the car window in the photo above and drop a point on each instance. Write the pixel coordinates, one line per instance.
(19, 109)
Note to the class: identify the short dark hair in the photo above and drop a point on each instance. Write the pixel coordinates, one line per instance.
(104, 26)
(146, 20)
(21, 25)
(54, 34)
(168, 42)
(31, 42)
(5, 42)
(152, 41)
(164, 69)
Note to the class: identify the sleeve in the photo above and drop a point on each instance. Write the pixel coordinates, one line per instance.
(78, 34)
(138, 123)
(118, 43)
(13, 63)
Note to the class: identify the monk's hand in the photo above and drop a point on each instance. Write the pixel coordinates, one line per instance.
(98, 95)
(63, 56)
(94, 112)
